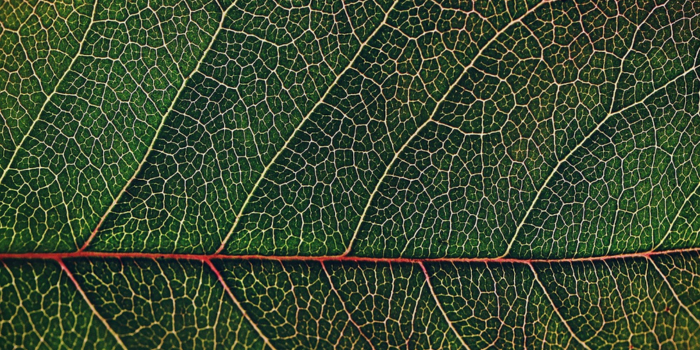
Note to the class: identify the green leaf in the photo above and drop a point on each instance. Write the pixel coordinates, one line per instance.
(317, 174)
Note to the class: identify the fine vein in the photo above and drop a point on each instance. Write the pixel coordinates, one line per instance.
(158, 130)
(89, 303)
(673, 291)
(238, 303)
(439, 305)
(49, 96)
(578, 146)
(556, 310)
(675, 218)
(299, 126)
(430, 119)
(330, 282)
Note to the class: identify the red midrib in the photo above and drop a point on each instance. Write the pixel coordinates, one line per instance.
(351, 259)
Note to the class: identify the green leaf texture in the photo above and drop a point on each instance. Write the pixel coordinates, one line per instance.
(349, 174)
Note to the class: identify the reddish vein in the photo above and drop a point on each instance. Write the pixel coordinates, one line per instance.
(333, 258)
(90, 304)
(238, 304)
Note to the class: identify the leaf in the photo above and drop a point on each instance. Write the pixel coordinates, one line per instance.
(349, 174)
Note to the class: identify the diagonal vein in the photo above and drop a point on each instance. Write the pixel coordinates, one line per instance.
(50, 95)
(431, 119)
(92, 307)
(158, 130)
(675, 218)
(238, 303)
(439, 305)
(590, 134)
(323, 266)
(673, 291)
(556, 310)
(299, 126)
(578, 146)
(622, 301)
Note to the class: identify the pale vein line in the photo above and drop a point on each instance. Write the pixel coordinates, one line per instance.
(92, 307)
(579, 145)
(556, 310)
(678, 214)
(431, 119)
(160, 127)
(21, 305)
(49, 96)
(465, 133)
(439, 305)
(573, 150)
(525, 314)
(673, 291)
(323, 266)
(299, 126)
(238, 304)
(622, 300)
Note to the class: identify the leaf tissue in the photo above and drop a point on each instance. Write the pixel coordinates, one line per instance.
(349, 174)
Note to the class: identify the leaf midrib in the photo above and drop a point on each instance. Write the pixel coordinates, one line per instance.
(208, 260)
(338, 258)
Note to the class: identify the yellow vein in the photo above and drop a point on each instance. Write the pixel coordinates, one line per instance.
(49, 96)
(588, 136)
(92, 307)
(299, 126)
(556, 310)
(673, 291)
(238, 304)
(160, 127)
(675, 218)
(578, 146)
(622, 300)
(21, 305)
(323, 266)
(431, 119)
(439, 305)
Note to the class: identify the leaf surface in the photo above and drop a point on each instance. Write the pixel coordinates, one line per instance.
(349, 174)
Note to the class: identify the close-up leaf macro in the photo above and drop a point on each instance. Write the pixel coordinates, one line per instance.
(349, 174)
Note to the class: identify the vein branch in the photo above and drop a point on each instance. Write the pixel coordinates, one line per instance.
(299, 126)
(675, 218)
(238, 303)
(50, 95)
(556, 310)
(673, 291)
(430, 119)
(439, 305)
(164, 117)
(580, 145)
(330, 282)
(90, 304)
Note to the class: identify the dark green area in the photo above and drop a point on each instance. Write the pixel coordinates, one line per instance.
(382, 129)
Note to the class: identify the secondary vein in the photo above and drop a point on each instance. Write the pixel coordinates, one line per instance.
(439, 305)
(238, 304)
(673, 291)
(431, 119)
(50, 95)
(556, 310)
(299, 126)
(92, 307)
(576, 148)
(158, 130)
